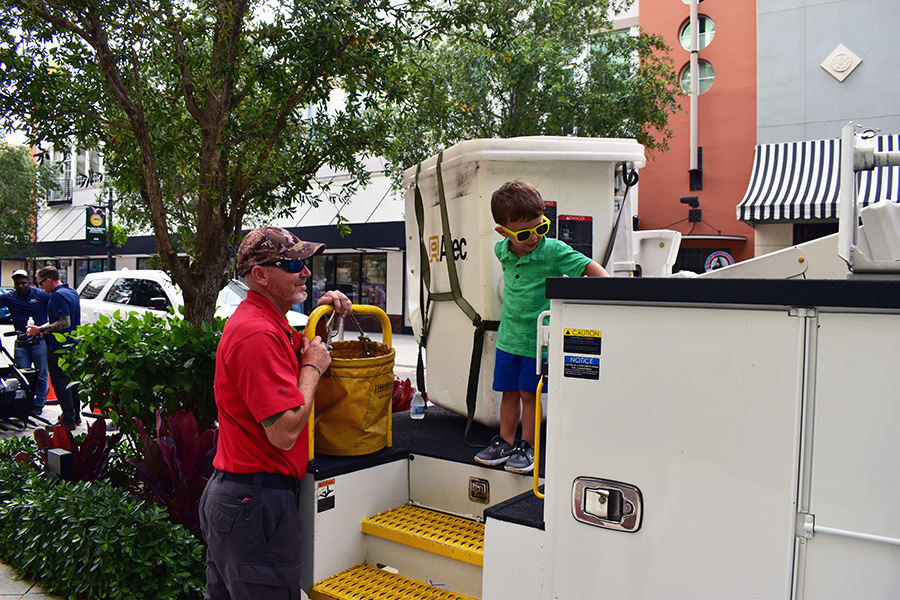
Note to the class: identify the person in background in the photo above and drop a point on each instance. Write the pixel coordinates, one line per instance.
(527, 259)
(24, 303)
(265, 382)
(63, 316)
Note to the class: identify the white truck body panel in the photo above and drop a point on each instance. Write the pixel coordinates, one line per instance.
(762, 439)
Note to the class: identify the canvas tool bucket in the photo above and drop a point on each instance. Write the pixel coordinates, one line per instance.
(352, 411)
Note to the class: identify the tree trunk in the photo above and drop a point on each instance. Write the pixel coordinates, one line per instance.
(200, 293)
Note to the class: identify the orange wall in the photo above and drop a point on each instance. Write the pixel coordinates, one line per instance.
(726, 126)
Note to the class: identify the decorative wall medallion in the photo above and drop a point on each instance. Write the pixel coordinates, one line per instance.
(841, 62)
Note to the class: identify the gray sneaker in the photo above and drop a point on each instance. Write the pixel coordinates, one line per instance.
(522, 459)
(495, 454)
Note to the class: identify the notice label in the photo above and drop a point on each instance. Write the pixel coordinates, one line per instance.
(581, 341)
(325, 495)
(582, 367)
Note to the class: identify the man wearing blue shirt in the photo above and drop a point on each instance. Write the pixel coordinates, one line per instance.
(63, 316)
(24, 303)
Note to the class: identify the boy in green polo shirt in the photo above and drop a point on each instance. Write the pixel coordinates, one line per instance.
(528, 259)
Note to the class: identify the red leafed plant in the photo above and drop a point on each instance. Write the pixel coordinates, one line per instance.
(403, 393)
(177, 464)
(90, 458)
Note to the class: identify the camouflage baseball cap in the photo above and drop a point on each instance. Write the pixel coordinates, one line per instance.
(269, 244)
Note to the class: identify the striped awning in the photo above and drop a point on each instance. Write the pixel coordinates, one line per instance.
(797, 181)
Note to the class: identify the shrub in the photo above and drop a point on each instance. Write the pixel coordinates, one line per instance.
(90, 457)
(10, 447)
(402, 396)
(133, 365)
(176, 466)
(93, 541)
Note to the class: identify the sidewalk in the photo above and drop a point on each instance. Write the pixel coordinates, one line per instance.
(12, 588)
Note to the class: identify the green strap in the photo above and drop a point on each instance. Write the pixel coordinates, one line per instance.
(454, 295)
(474, 373)
(424, 284)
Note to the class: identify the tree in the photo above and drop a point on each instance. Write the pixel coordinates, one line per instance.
(541, 67)
(208, 113)
(213, 114)
(21, 182)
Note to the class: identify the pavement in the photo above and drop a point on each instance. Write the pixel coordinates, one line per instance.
(11, 587)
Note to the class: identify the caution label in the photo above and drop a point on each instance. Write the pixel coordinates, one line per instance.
(582, 367)
(581, 341)
(325, 495)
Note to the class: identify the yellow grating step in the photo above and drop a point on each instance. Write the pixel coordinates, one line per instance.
(363, 582)
(429, 530)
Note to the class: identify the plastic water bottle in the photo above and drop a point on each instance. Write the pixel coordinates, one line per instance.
(417, 407)
(30, 320)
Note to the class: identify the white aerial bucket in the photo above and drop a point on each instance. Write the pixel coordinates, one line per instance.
(577, 180)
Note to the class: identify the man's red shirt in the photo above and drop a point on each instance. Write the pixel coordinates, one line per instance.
(256, 377)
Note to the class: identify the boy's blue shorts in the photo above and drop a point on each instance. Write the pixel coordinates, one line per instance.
(513, 373)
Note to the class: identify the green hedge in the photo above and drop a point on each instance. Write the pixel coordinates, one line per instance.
(93, 541)
(133, 364)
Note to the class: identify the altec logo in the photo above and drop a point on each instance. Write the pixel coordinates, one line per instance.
(437, 249)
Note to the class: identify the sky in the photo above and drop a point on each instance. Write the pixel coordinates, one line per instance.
(14, 139)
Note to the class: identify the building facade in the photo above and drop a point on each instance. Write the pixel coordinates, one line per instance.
(367, 264)
(778, 80)
(726, 131)
(820, 65)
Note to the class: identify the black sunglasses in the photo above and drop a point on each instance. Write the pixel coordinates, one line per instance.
(291, 266)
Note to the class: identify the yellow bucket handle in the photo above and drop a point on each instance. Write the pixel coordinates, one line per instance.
(356, 309)
(310, 333)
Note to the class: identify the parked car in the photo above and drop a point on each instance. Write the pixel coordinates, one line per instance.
(140, 291)
(5, 317)
(127, 290)
(236, 290)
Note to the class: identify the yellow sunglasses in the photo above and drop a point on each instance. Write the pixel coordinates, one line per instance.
(523, 235)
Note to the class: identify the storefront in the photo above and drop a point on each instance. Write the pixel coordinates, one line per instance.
(794, 190)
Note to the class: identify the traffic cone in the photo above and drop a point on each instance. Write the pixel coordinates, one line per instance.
(51, 395)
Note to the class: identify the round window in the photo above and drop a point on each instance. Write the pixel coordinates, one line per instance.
(706, 76)
(706, 30)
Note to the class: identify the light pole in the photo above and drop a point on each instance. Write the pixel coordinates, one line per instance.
(109, 234)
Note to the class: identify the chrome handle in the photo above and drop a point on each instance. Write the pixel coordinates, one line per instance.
(607, 504)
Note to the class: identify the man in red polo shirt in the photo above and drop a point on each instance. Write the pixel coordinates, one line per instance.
(266, 378)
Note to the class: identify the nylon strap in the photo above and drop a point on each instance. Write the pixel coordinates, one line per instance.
(455, 293)
(424, 284)
(474, 373)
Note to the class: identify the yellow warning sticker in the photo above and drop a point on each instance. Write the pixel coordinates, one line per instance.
(582, 332)
(581, 341)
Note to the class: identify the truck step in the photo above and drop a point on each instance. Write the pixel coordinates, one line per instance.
(364, 582)
(430, 530)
